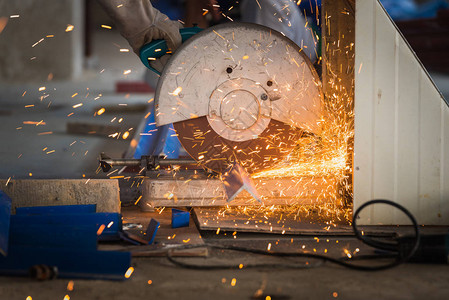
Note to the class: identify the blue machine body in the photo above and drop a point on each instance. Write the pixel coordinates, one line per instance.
(179, 218)
(151, 232)
(5, 216)
(58, 209)
(64, 237)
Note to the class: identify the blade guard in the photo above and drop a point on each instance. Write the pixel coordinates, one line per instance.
(235, 51)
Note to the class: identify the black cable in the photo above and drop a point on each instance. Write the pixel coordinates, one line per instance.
(341, 262)
(170, 257)
(393, 248)
(388, 246)
(242, 249)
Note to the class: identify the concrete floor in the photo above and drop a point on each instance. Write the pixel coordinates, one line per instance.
(169, 282)
(21, 153)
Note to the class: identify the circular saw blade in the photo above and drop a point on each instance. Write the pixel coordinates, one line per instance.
(239, 92)
(217, 153)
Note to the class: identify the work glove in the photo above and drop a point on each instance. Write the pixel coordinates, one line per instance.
(140, 23)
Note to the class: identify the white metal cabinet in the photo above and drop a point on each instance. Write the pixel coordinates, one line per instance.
(401, 145)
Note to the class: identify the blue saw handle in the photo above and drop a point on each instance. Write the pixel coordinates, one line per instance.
(158, 48)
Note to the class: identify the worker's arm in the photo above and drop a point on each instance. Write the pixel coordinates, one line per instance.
(140, 23)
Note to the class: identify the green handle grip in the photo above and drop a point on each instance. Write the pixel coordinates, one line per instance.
(158, 48)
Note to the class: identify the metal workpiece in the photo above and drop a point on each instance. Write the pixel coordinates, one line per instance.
(150, 162)
(235, 180)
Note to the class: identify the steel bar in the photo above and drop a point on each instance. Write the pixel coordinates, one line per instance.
(149, 162)
(169, 162)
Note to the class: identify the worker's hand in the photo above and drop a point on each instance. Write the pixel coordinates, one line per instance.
(162, 28)
(159, 63)
(140, 23)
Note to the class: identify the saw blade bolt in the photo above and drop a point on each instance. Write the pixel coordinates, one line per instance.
(264, 97)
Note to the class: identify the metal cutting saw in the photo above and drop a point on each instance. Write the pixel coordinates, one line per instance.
(237, 92)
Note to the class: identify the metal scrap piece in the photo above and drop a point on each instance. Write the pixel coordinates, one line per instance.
(235, 180)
